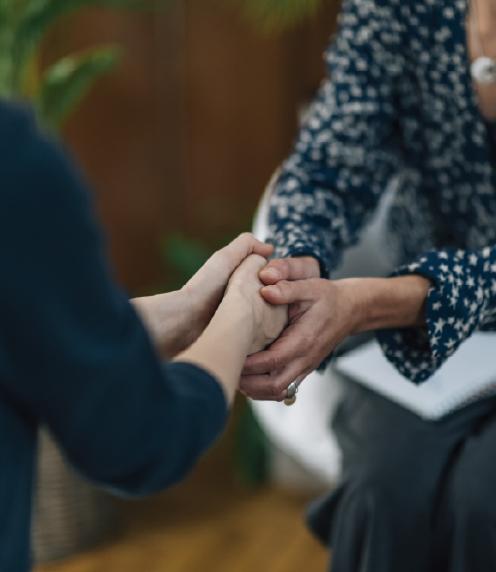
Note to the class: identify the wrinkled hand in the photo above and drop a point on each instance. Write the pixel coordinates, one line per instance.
(267, 321)
(206, 288)
(321, 314)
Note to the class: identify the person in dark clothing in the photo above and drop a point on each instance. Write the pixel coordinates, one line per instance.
(79, 358)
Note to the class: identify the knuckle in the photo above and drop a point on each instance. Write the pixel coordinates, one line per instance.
(275, 362)
(246, 237)
(284, 265)
(246, 387)
(306, 340)
(319, 285)
(281, 387)
(280, 264)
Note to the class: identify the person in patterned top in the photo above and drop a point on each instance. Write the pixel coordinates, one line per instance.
(400, 104)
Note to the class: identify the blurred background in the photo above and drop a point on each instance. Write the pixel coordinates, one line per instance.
(181, 130)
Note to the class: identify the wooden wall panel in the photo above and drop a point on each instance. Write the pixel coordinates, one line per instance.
(243, 88)
(186, 132)
(128, 134)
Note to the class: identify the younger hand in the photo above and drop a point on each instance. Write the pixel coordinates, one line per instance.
(175, 320)
(206, 288)
(244, 287)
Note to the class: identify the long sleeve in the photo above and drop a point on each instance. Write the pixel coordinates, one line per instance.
(461, 301)
(75, 355)
(346, 151)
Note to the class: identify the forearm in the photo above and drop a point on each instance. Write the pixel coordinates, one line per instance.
(165, 317)
(223, 346)
(382, 303)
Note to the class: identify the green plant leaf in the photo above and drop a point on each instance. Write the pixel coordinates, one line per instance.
(6, 70)
(65, 84)
(278, 14)
(184, 255)
(7, 36)
(252, 451)
(39, 15)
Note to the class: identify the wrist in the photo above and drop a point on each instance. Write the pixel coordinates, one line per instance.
(223, 346)
(194, 317)
(167, 318)
(353, 294)
(237, 309)
(381, 303)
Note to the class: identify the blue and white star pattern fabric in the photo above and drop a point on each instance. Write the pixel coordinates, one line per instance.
(461, 301)
(399, 103)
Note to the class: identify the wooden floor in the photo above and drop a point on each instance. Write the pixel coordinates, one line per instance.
(199, 526)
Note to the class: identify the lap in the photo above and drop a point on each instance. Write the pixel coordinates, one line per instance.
(385, 444)
(464, 532)
(399, 472)
(472, 474)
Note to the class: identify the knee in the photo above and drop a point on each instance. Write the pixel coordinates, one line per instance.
(472, 499)
(391, 492)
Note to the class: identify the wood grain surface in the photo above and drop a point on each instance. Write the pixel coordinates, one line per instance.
(223, 531)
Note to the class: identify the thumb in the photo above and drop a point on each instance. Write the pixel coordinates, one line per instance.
(285, 292)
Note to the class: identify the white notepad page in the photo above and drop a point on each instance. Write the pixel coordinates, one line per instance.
(467, 376)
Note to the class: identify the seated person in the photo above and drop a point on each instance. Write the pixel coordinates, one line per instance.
(400, 106)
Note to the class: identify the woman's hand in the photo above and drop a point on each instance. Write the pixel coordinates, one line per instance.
(242, 323)
(205, 290)
(176, 319)
(322, 313)
(268, 321)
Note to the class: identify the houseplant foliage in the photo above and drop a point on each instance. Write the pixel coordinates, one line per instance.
(56, 91)
(272, 15)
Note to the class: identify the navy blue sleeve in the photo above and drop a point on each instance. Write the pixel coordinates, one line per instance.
(346, 150)
(78, 357)
(462, 300)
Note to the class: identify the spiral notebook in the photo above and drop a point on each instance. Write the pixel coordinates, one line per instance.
(469, 375)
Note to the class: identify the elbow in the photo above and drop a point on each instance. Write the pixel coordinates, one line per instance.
(150, 480)
(146, 483)
(171, 465)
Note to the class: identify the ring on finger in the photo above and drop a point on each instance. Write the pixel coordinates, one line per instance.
(291, 392)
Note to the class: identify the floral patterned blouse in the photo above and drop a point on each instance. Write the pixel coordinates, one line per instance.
(399, 103)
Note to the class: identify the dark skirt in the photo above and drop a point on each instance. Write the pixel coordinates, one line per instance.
(415, 495)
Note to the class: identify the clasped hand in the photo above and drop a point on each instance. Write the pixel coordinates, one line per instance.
(322, 313)
(298, 317)
(228, 286)
(293, 318)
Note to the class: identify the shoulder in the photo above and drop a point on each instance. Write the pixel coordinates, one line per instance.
(44, 203)
(381, 29)
(365, 20)
(368, 31)
(22, 144)
(35, 172)
(385, 12)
